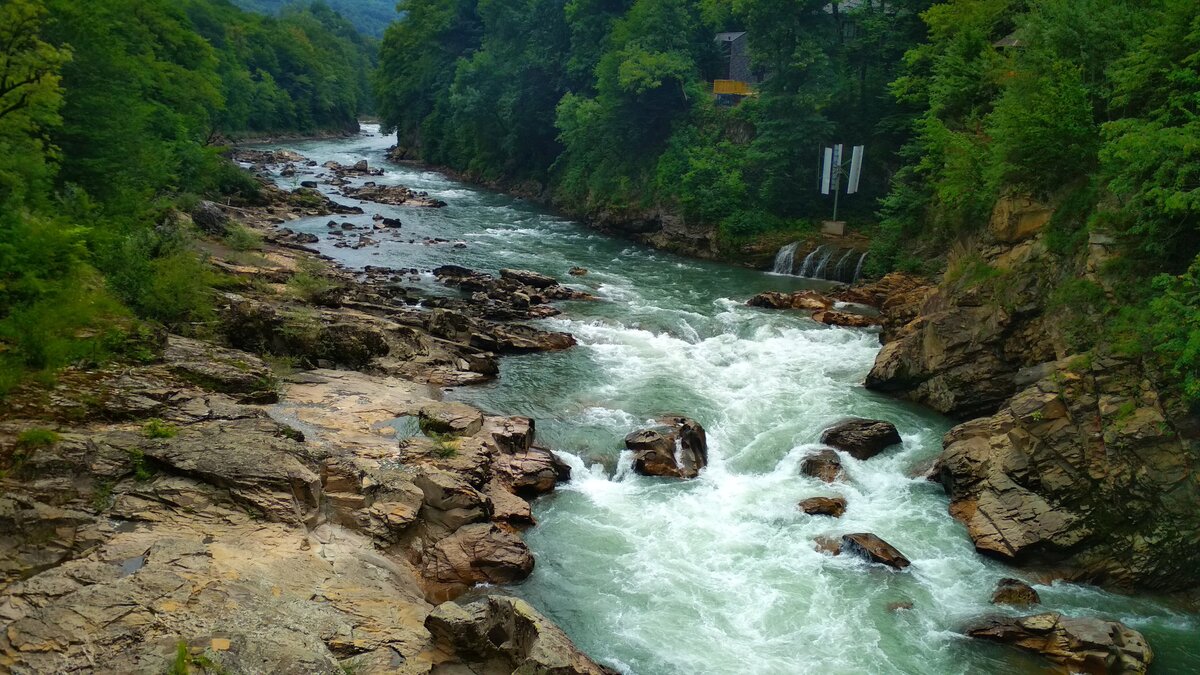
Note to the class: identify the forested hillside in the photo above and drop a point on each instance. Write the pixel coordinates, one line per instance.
(1088, 106)
(111, 113)
(370, 17)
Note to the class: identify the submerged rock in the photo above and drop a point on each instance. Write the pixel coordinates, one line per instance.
(824, 465)
(676, 449)
(868, 546)
(861, 439)
(501, 635)
(1015, 592)
(824, 506)
(1082, 645)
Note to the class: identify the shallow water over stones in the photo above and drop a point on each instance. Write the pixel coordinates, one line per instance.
(718, 574)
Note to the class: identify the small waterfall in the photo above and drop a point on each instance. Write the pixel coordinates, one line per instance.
(858, 269)
(828, 262)
(820, 271)
(785, 260)
(837, 271)
(806, 270)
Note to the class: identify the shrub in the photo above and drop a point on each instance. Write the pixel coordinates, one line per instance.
(309, 282)
(156, 428)
(241, 238)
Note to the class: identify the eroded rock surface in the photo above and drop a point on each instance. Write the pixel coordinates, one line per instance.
(1081, 473)
(499, 635)
(1082, 645)
(677, 448)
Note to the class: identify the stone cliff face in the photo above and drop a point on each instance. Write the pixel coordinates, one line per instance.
(1075, 463)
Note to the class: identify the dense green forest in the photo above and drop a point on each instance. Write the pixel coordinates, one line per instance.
(1089, 105)
(370, 17)
(110, 115)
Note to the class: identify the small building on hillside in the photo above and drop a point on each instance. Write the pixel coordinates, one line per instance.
(736, 77)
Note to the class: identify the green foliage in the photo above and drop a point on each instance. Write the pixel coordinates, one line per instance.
(156, 428)
(608, 101)
(310, 283)
(370, 17)
(33, 439)
(445, 446)
(241, 238)
(1171, 331)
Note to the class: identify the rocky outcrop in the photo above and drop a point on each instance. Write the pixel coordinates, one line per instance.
(677, 448)
(861, 439)
(824, 506)
(1081, 645)
(1081, 473)
(807, 300)
(824, 465)
(394, 195)
(1015, 592)
(515, 294)
(499, 635)
(872, 548)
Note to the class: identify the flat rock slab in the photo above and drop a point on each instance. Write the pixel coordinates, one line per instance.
(454, 419)
(1084, 645)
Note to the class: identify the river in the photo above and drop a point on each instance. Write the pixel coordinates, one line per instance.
(717, 575)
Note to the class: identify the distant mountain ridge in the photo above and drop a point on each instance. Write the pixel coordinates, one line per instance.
(370, 17)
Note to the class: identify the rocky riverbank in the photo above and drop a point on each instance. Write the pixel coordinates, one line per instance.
(285, 491)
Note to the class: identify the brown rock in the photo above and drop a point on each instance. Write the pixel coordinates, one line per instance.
(528, 278)
(477, 553)
(677, 449)
(454, 419)
(824, 506)
(1073, 472)
(1015, 592)
(861, 439)
(828, 545)
(903, 605)
(846, 319)
(825, 465)
(503, 634)
(530, 473)
(577, 271)
(805, 300)
(871, 547)
(1082, 645)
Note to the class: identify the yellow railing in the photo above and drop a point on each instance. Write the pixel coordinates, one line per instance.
(731, 87)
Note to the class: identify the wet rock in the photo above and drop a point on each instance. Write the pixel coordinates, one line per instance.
(860, 438)
(577, 271)
(310, 184)
(474, 554)
(500, 634)
(828, 545)
(824, 465)
(528, 278)
(529, 473)
(210, 218)
(846, 319)
(361, 166)
(805, 300)
(900, 606)
(1015, 592)
(678, 448)
(1083, 645)
(454, 419)
(824, 506)
(874, 549)
(394, 195)
(515, 338)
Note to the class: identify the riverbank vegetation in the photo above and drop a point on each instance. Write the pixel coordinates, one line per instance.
(1090, 107)
(111, 115)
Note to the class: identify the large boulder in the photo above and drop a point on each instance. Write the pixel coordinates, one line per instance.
(1082, 645)
(1083, 474)
(805, 300)
(824, 465)
(529, 278)
(824, 506)
(475, 554)
(1015, 592)
(499, 635)
(861, 439)
(678, 448)
(210, 218)
(874, 549)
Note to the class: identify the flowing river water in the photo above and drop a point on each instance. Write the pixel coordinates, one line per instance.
(716, 575)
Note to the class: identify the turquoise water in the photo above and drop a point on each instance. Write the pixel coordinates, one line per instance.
(717, 575)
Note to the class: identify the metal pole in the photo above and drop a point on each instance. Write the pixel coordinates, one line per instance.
(836, 193)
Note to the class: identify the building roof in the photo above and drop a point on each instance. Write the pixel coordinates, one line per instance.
(729, 37)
